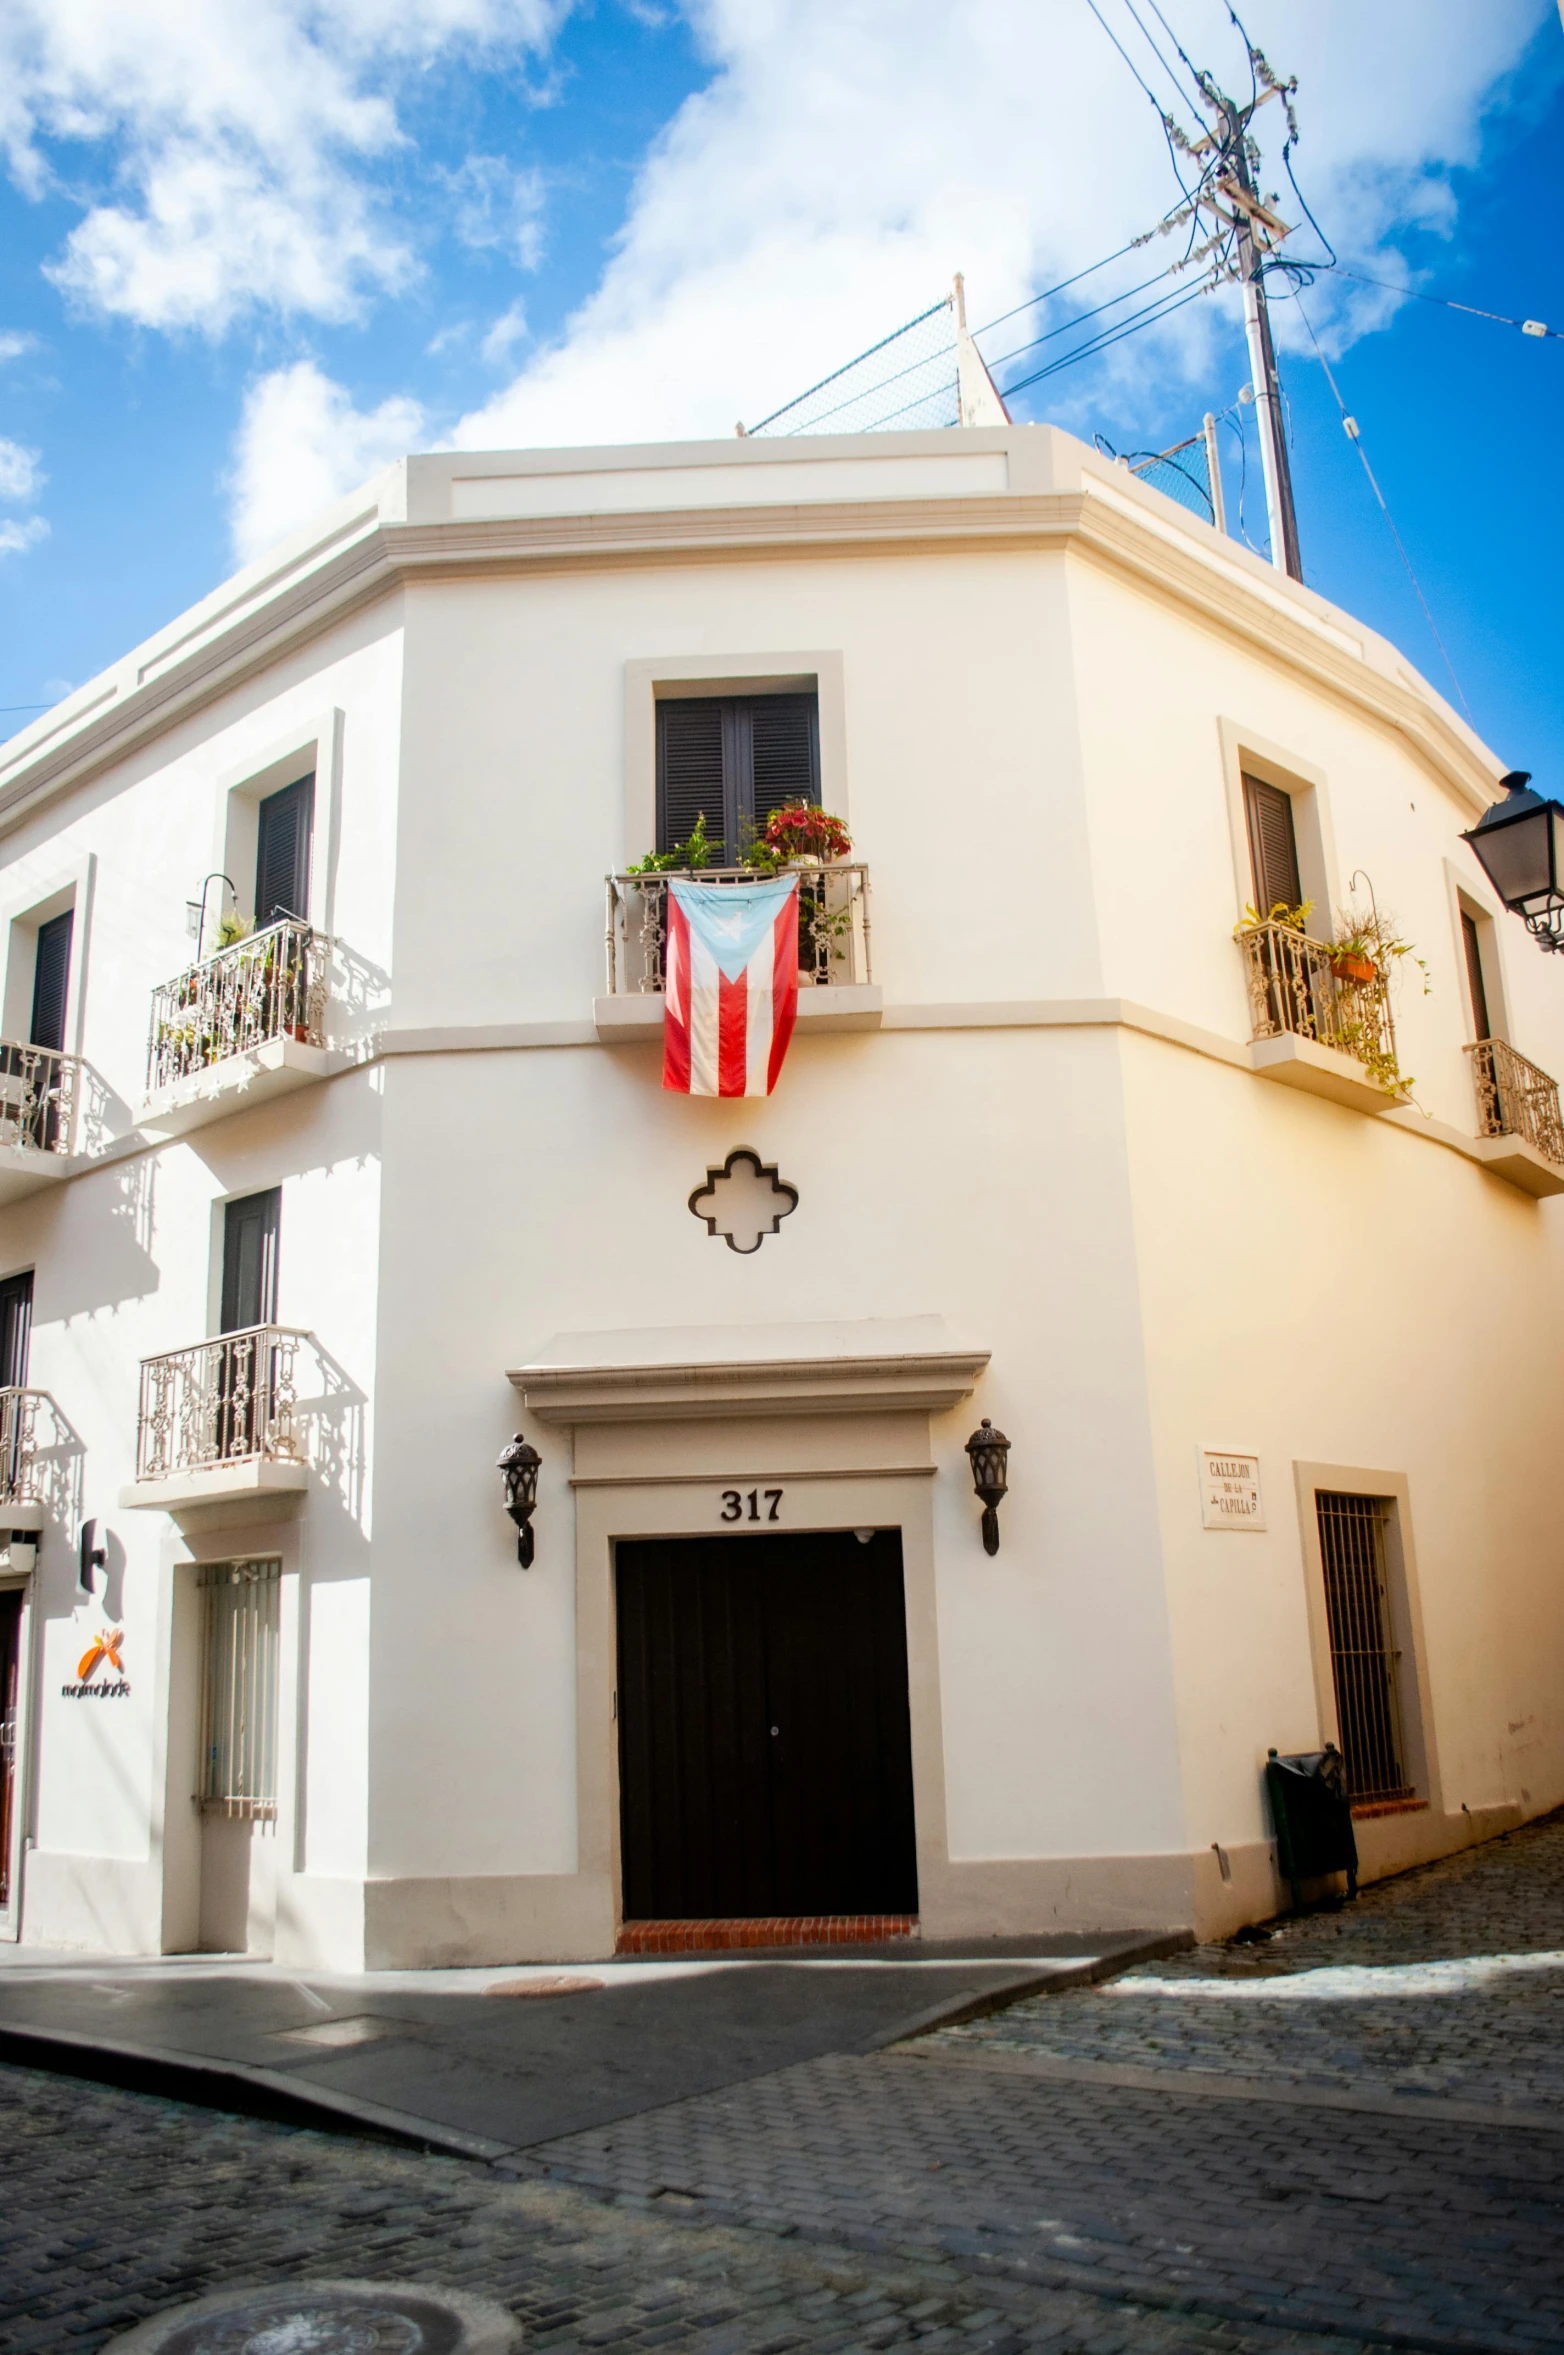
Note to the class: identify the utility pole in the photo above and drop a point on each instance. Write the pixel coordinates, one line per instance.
(1275, 465)
(1228, 196)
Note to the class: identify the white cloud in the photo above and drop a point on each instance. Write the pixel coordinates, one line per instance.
(17, 537)
(243, 141)
(847, 155)
(14, 342)
(301, 444)
(19, 473)
(498, 207)
(509, 329)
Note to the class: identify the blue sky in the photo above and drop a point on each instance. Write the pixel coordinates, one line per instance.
(253, 250)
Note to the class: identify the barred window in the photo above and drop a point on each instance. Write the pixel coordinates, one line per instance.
(239, 1650)
(1365, 1666)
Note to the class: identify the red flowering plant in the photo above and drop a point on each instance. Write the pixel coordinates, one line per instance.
(799, 831)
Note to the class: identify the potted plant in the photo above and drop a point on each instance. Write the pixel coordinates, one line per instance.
(800, 835)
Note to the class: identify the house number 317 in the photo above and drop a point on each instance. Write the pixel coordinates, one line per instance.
(745, 1504)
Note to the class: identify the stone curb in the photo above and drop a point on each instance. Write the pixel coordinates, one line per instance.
(977, 2005)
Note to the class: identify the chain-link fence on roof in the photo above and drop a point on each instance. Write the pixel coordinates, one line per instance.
(1182, 473)
(906, 381)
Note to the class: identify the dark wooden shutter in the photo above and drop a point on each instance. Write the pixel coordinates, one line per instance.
(784, 733)
(1474, 974)
(282, 857)
(51, 978)
(690, 770)
(16, 1325)
(1273, 846)
(733, 759)
(250, 1232)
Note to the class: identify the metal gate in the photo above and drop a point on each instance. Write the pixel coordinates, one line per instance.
(765, 1747)
(1365, 1666)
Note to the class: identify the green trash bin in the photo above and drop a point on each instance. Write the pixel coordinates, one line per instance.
(1313, 1817)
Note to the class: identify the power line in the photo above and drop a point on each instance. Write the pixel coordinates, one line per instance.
(1534, 327)
(1153, 313)
(1004, 358)
(1350, 428)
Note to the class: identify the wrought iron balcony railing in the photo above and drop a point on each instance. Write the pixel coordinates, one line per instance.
(271, 985)
(21, 1474)
(833, 924)
(232, 1400)
(39, 1088)
(1304, 988)
(1515, 1099)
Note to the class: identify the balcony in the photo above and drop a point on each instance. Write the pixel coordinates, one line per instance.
(30, 1471)
(836, 984)
(1521, 1135)
(218, 1425)
(246, 1021)
(1317, 1020)
(41, 1102)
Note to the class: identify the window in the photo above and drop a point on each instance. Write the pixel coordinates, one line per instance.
(16, 1325)
(733, 760)
(239, 1652)
(284, 822)
(51, 975)
(1273, 846)
(1471, 941)
(251, 1227)
(1365, 1666)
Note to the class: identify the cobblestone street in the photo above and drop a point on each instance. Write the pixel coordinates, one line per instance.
(1214, 2152)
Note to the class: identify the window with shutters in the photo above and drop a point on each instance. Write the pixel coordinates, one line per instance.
(1273, 846)
(1476, 987)
(284, 823)
(51, 980)
(732, 760)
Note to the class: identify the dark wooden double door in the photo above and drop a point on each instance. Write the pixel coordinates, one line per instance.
(765, 1752)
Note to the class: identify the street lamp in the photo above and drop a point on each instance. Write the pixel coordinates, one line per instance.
(989, 1450)
(519, 1466)
(1520, 842)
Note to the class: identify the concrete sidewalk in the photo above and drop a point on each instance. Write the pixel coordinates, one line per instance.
(483, 2063)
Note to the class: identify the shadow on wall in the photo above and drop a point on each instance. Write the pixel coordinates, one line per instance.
(357, 992)
(120, 1266)
(336, 1445)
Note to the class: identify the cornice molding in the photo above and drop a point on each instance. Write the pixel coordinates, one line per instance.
(1090, 523)
(925, 1382)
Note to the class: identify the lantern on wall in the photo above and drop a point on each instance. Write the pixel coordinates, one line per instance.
(1520, 843)
(989, 1451)
(519, 1467)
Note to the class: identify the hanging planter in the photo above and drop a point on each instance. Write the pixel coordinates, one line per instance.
(1352, 965)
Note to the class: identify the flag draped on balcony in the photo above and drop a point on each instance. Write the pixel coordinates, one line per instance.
(731, 986)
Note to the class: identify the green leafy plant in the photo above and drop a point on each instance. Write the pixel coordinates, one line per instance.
(698, 851)
(233, 927)
(1294, 919)
(1371, 935)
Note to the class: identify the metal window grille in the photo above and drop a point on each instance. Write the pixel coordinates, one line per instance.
(240, 1619)
(1365, 1667)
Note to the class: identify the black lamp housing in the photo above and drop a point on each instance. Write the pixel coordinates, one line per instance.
(989, 1451)
(1520, 844)
(519, 1466)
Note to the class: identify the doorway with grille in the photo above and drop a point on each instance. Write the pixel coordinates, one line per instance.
(765, 1753)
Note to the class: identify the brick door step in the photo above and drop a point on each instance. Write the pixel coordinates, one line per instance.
(712, 1937)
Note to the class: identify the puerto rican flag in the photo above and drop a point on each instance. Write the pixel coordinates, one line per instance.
(731, 986)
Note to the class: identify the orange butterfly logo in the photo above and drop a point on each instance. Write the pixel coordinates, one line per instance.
(106, 1647)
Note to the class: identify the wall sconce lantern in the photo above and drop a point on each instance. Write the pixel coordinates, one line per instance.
(1520, 843)
(91, 1555)
(989, 1450)
(520, 1465)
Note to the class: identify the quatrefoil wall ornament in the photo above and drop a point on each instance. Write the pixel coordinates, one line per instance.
(744, 1200)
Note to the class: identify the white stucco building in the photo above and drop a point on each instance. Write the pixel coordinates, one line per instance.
(1061, 1153)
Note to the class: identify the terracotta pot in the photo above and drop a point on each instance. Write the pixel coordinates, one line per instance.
(1350, 966)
